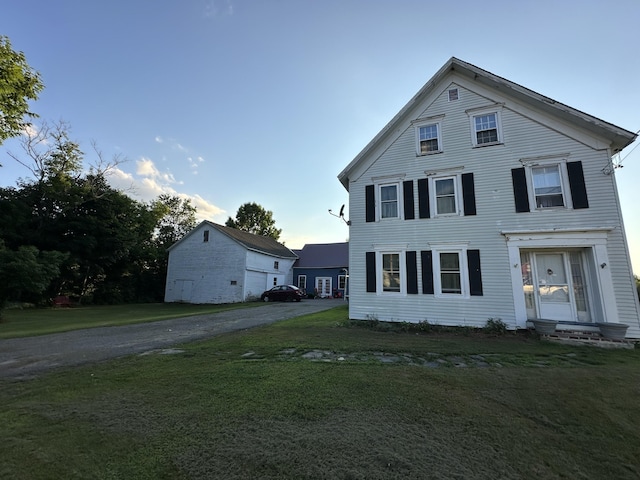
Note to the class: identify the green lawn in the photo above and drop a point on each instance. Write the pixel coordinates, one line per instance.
(40, 321)
(247, 405)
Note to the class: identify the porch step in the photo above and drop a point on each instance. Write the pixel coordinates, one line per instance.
(587, 338)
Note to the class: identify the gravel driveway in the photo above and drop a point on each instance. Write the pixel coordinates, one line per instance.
(27, 357)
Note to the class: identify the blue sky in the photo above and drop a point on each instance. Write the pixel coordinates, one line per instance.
(234, 101)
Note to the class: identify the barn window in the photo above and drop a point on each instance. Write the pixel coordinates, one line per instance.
(205, 237)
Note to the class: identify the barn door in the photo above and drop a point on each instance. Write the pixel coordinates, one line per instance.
(185, 287)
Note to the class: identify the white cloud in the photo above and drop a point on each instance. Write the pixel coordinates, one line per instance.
(148, 183)
(217, 8)
(30, 131)
(159, 139)
(146, 168)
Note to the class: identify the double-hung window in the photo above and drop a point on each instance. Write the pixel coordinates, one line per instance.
(445, 196)
(428, 135)
(389, 201)
(450, 277)
(451, 271)
(486, 128)
(549, 182)
(547, 186)
(386, 198)
(391, 272)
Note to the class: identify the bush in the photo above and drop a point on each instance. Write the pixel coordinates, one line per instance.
(495, 326)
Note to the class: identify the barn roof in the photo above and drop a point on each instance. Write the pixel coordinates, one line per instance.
(257, 243)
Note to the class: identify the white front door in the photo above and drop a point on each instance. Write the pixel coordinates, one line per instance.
(555, 285)
(323, 287)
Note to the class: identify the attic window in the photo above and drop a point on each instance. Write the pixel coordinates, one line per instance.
(276, 265)
(205, 237)
(453, 95)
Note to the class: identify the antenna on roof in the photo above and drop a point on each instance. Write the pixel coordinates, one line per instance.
(340, 215)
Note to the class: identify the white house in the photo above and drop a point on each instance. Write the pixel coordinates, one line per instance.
(483, 199)
(217, 264)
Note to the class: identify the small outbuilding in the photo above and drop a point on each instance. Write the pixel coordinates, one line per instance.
(322, 269)
(218, 264)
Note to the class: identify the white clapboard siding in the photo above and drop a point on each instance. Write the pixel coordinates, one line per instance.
(527, 133)
(221, 270)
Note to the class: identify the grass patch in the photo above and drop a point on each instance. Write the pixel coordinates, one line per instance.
(41, 321)
(216, 412)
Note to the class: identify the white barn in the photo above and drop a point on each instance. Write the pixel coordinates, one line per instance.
(218, 264)
(483, 199)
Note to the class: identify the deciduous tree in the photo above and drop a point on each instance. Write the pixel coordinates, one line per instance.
(253, 218)
(19, 83)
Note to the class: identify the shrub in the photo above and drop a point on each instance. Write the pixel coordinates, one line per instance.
(495, 326)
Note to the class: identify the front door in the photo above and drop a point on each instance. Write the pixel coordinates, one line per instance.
(323, 287)
(555, 285)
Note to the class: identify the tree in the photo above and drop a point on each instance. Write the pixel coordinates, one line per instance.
(176, 217)
(252, 218)
(18, 84)
(27, 273)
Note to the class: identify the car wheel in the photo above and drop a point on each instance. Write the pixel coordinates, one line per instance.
(266, 299)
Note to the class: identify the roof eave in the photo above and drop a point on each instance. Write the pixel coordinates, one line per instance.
(618, 137)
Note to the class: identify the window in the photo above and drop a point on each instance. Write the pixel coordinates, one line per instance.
(275, 281)
(428, 139)
(234, 282)
(486, 127)
(547, 186)
(453, 94)
(342, 282)
(450, 280)
(391, 272)
(302, 282)
(205, 237)
(549, 182)
(447, 192)
(445, 195)
(450, 271)
(389, 201)
(276, 265)
(387, 197)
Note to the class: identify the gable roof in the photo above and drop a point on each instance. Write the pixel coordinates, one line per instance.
(618, 137)
(323, 255)
(256, 243)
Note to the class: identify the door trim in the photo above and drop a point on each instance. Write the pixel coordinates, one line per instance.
(593, 239)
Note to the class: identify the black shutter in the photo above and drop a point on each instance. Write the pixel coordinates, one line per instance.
(409, 209)
(576, 183)
(520, 192)
(427, 271)
(370, 203)
(412, 272)
(475, 275)
(423, 198)
(371, 272)
(468, 194)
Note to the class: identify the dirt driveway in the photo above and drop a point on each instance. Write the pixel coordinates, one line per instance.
(26, 357)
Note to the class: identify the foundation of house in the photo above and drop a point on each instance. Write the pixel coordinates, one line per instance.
(587, 338)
